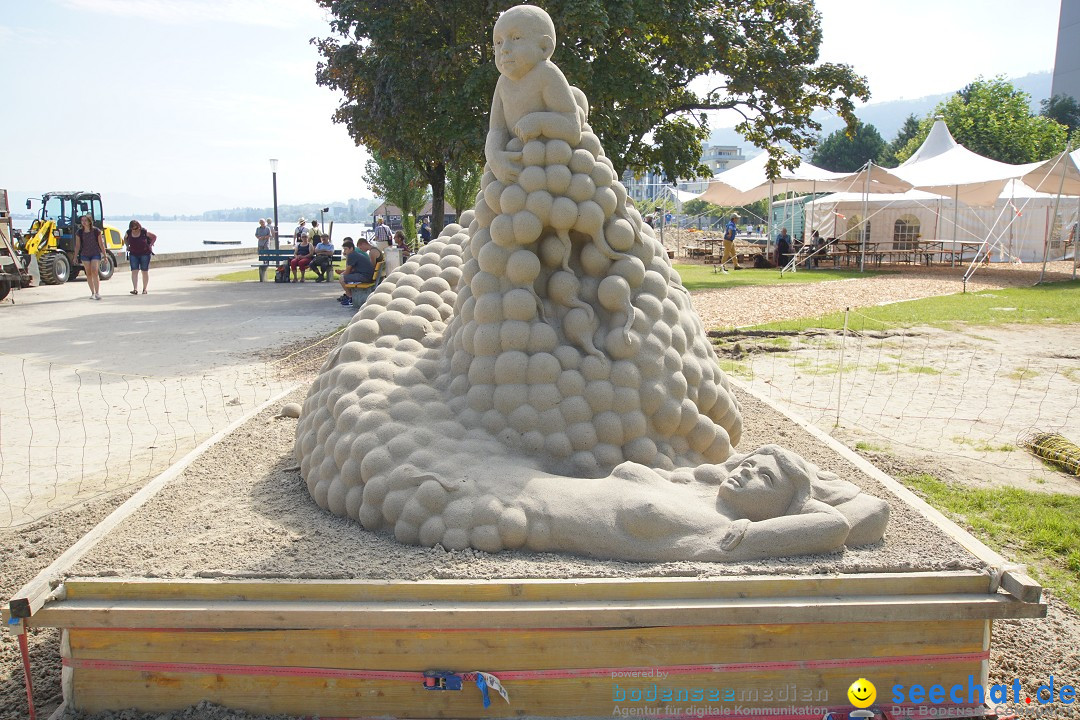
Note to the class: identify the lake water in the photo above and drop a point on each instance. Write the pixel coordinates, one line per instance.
(175, 236)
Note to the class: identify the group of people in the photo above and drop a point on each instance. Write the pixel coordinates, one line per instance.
(313, 250)
(90, 249)
(786, 249)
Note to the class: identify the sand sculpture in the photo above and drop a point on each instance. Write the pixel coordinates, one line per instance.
(536, 378)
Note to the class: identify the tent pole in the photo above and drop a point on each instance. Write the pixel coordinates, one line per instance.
(1054, 217)
(955, 220)
(866, 220)
(768, 225)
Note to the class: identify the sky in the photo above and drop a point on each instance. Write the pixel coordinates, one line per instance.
(177, 106)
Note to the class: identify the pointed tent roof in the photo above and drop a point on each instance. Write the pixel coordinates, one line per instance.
(748, 182)
(1047, 175)
(945, 167)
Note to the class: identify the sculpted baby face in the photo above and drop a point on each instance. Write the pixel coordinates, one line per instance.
(522, 39)
(757, 488)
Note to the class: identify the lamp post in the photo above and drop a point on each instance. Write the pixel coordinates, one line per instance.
(273, 170)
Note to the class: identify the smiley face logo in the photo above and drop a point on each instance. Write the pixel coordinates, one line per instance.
(862, 693)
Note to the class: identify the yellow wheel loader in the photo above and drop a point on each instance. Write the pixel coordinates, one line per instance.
(51, 237)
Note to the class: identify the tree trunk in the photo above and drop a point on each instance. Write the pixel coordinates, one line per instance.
(437, 178)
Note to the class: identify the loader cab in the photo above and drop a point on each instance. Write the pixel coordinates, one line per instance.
(65, 209)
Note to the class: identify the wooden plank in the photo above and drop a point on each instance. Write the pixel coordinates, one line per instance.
(34, 594)
(533, 590)
(532, 649)
(577, 614)
(100, 690)
(947, 526)
(1020, 586)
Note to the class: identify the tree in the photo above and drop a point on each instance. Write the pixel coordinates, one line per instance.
(908, 130)
(462, 185)
(417, 78)
(1063, 109)
(992, 118)
(398, 183)
(702, 207)
(848, 150)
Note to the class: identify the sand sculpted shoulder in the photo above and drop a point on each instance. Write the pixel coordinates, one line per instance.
(536, 378)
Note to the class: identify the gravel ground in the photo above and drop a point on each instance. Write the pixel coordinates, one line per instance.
(1031, 650)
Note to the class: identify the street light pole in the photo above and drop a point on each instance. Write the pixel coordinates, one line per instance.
(273, 170)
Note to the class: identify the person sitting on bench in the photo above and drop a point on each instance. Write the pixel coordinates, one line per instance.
(323, 261)
(358, 267)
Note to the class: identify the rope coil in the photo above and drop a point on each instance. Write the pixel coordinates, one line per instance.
(1055, 449)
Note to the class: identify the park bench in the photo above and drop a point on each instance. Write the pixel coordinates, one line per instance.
(275, 258)
(365, 288)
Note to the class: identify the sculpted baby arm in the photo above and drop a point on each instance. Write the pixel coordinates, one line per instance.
(559, 119)
(503, 163)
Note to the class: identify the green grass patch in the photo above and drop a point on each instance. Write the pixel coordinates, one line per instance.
(870, 447)
(921, 370)
(1039, 529)
(737, 368)
(1057, 302)
(982, 445)
(238, 276)
(810, 367)
(702, 277)
(1022, 374)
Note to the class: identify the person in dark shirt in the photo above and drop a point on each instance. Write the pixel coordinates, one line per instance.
(140, 246)
(425, 232)
(358, 267)
(89, 249)
(783, 248)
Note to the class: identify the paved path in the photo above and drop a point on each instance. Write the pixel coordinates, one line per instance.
(185, 324)
(98, 395)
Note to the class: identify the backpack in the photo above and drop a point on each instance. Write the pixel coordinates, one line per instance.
(281, 275)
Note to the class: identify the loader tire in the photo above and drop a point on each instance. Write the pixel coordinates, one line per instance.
(107, 266)
(55, 268)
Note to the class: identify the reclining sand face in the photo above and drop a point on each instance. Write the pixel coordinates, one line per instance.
(539, 379)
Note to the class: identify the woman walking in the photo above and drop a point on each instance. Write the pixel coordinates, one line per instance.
(89, 249)
(140, 246)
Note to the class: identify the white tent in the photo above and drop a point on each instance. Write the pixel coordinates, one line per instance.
(1017, 226)
(748, 182)
(943, 166)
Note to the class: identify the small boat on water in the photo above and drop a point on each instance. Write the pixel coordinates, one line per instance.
(221, 242)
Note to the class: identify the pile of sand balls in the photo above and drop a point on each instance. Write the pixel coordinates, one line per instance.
(552, 334)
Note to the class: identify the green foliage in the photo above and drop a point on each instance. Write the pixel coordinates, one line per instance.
(693, 208)
(417, 78)
(398, 182)
(908, 130)
(1062, 109)
(848, 150)
(992, 118)
(462, 185)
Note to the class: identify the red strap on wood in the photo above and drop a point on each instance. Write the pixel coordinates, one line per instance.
(24, 648)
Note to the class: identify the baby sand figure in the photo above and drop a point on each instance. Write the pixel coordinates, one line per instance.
(532, 97)
(497, 392)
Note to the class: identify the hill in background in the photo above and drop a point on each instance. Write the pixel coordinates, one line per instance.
(887, 117)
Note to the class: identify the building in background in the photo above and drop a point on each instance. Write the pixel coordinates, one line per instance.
(1067, 61)
(717, 158)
